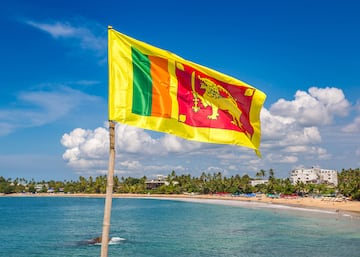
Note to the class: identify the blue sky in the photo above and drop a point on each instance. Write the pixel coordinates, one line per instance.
(304, 55)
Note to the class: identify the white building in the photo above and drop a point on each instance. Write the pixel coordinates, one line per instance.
(259, 182)
(315, 176)
(161, 180)
(40, 187)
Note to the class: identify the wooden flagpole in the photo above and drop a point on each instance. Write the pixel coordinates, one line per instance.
(109, 191)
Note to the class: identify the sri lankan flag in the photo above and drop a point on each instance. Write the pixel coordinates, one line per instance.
(154, 89)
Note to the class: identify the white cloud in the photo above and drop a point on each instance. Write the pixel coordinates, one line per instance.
(86, 143)
(318, 107)
(275, 126)
(296, 149)
(176, 144)
(283, 131)
(353, 127)
(287, 142)
(279, 157)
(285, 139)
(320, 152)
(215, 169)
(232, 167)
(131, 165)
(55, 29)
(332, 98)
(97, 143)
(83, 36)
(86, 149)
(307, 152)
(37, 108)
(235, 155)
(131, 142)
(308, 135)
(55, 103)
(75, 138)
(134, 140)
(138, 153)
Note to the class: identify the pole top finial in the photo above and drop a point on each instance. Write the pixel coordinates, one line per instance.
(110, 27)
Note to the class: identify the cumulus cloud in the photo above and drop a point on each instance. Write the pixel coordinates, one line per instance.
(289, 138)
(176, 144)
(316, 107)
(87, 149)
(296, 149)
(74, 139)
(140, 153)
(353, 127)
(281, 158)
(91, 146)
(135, 140)
(37, 108)
(283, 131)
(320, 152)
(275, 126)
(291, 129)
(131, 165)
(307, 135)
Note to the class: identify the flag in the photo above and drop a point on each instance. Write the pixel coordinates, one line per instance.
(155, 89)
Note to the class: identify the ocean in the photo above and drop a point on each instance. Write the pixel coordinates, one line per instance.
(61, 226)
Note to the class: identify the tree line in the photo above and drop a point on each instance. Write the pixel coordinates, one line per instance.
(206, 183)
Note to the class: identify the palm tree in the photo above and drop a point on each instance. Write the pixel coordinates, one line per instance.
(349, 183)
(171, 177)
(270, 187)
(300, 187)
(271, 174)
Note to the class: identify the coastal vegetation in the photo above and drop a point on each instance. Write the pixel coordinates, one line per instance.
(206, 183)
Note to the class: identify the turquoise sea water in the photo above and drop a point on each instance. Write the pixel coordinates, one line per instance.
(60, 226)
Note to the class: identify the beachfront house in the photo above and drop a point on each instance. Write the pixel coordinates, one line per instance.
(155, 183)
(256, 182)
(314, 176)
(159, 181)
(41, 187)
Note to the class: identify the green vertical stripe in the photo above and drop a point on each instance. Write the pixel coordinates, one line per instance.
(142, 83)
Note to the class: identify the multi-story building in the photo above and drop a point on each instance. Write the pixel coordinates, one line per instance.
(154, 183)
(315, 176)
(159, 181)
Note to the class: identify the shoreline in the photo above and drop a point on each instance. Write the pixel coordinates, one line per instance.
(307, 203)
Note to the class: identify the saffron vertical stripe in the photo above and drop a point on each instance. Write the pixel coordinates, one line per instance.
(161, 100)
(142, 83)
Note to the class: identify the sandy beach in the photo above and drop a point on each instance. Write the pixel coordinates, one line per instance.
(325, 204)
(335, 205)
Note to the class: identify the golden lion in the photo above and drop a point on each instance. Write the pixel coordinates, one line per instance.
(213, 98)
